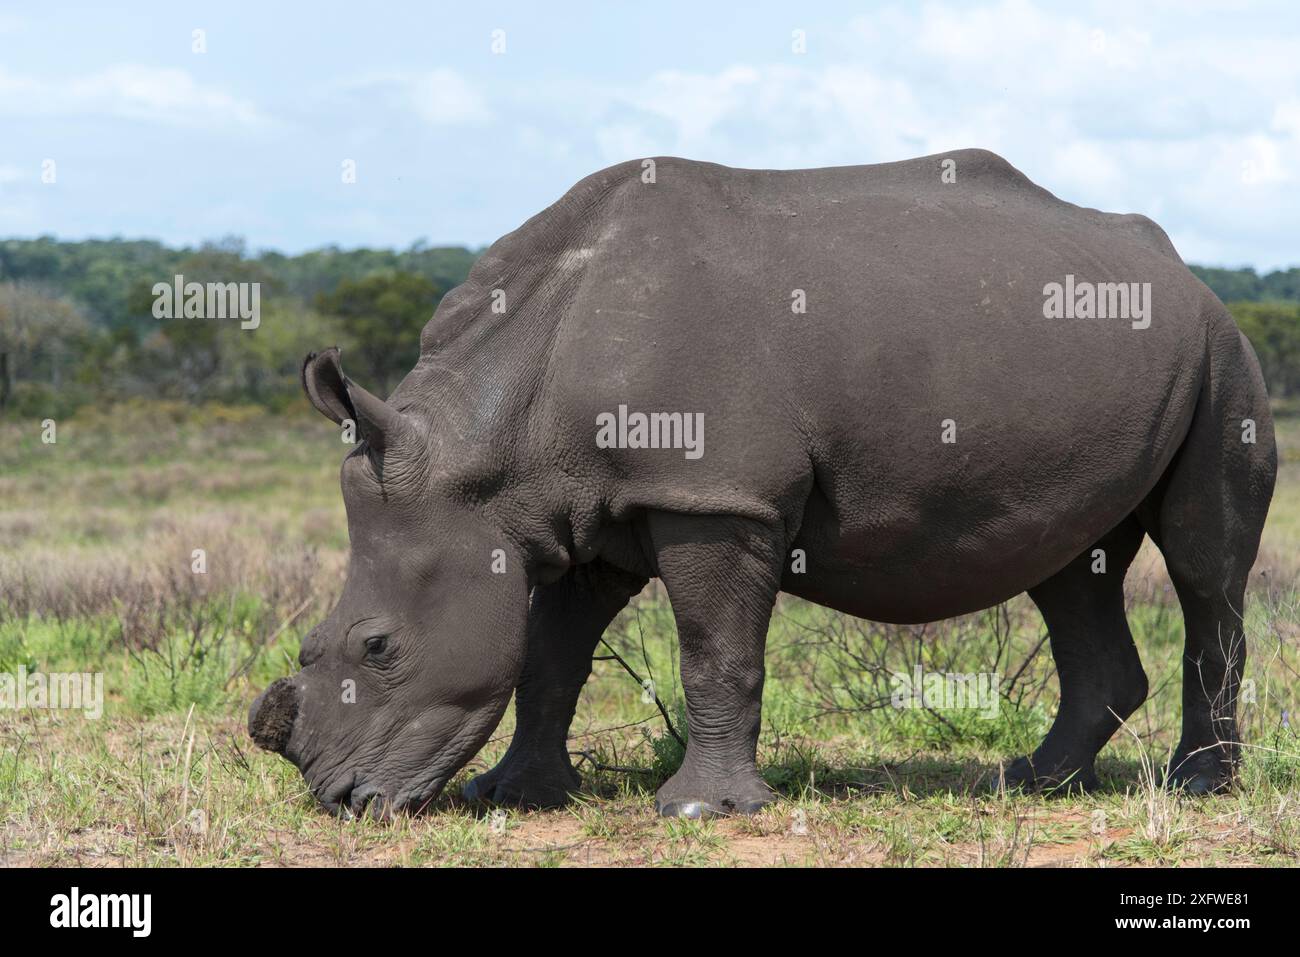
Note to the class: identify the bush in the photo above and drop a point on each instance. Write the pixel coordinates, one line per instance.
(1273, 328)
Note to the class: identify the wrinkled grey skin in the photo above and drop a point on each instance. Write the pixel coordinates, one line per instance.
(823, 432)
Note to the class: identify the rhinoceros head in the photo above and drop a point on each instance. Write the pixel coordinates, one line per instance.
(409, 674)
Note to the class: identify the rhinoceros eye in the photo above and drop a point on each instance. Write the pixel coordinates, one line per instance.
(376, 644)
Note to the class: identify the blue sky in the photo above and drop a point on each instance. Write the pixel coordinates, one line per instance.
(1186, 111)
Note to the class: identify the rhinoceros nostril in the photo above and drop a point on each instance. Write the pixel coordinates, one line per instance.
(270, 719)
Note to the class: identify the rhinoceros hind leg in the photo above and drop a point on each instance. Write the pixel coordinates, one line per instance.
(565, 621)
(722, 574)
(1207, 517)
(1100, 674)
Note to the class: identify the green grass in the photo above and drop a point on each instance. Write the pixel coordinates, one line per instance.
(96, 536)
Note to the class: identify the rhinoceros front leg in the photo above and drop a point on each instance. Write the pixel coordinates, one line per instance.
(565, 621)
(722, 576)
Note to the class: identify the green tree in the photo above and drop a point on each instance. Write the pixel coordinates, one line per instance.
(1273, 328)
(262, 365)
(41, 336)
(1231, 285)
(383, 315)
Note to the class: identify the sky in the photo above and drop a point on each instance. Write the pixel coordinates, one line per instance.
(463, 119)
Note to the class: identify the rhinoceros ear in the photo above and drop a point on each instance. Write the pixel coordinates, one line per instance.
(338, 398)
(322, 380)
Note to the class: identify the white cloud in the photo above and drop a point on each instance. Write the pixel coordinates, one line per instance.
(1186, 110)
(129, 91)
(444, 97)
(756, 116)
(440, 97)
(697, 102)
(1112, 111)
(1086, 165)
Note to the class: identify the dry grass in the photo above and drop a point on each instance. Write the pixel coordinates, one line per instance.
(96, 541)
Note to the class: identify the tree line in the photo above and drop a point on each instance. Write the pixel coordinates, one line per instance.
(77, 322)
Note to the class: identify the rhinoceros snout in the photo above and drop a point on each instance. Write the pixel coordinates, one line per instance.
(270, 719)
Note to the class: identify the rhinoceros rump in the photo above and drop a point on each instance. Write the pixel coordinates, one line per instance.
(882, 389)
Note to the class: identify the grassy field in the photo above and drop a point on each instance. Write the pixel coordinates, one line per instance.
(97, 535)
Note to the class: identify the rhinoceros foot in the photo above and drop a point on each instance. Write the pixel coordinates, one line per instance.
(525, 784)
(1037, 774)
(694, 795)
(1207, 771)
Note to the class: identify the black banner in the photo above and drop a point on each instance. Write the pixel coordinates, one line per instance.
(340, 905)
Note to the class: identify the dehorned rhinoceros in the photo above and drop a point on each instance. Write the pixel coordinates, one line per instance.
(931, 382)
